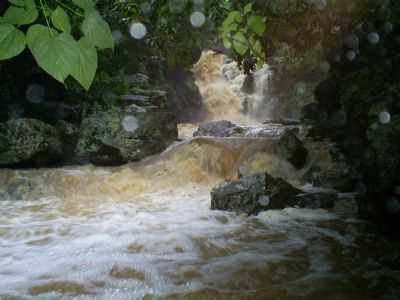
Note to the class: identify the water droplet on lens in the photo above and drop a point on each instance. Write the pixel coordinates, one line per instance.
(129, 123)
(351, 55)
(177, 6)
(384, 117)
(321, 4)
(352, 41)
(388, 27)
(145, 8)
(138, 30)
(373, 38)
(35, 93)
(325, 67)
(197, 19)
(117, 36)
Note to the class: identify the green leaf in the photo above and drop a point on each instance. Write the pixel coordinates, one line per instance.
(97, 31)
(233, 16)
(248, 8)
(239, 43)
(87, 5)
(12, 41)
(227, 43)
(61, 20)
(257, 24)
(257, 48)
(20, 3)
(55, 53)
(87, 63)
(21, 15)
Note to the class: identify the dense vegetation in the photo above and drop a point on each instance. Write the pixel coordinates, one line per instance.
(65, 48)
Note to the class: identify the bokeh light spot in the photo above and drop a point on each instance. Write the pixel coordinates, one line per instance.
(138, 30)
(384, 117)
(351, 55)
(197, 19)
(373, 38)
(35, 93)
(129, 123)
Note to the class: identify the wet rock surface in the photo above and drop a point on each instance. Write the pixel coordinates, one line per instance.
(357, 108)
(255, 193)
(114, 135)
(29, 142)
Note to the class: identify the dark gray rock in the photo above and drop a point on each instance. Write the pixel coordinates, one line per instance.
(69, 134)
(292, 149)
(184, 98)
(29, 142)
(219, 129)
(253, 194)
(317, 200)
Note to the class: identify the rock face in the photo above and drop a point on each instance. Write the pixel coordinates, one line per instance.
(29, 142)
(292, 149)
(184, 98)
(112, 135)
(253, 194)
(358, 108)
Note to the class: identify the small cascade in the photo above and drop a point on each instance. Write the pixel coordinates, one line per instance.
(229, 94)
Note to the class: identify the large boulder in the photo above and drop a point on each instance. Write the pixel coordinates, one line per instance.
(29, 142)
(253, 194)
(115, 134)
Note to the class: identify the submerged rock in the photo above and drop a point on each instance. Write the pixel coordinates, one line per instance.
(29, 142)
(219, 129)
(253, 194)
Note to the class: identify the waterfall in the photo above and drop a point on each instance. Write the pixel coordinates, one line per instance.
(226, 97)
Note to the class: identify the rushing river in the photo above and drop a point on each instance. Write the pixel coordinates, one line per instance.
(170, 245)
(133, 233)
(146, 231)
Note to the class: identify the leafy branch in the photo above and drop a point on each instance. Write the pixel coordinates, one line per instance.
(52, 45)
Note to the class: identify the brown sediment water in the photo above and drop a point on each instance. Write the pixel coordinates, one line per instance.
(145, 230)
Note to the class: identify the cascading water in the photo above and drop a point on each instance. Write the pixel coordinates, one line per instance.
(221, 84)
(145, 230)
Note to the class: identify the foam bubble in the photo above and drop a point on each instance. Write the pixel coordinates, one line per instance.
(138, 30)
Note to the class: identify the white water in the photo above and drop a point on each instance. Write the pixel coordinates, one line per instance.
(220, 83)
(163, 244)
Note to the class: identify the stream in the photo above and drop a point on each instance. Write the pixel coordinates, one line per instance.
(145, 231)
